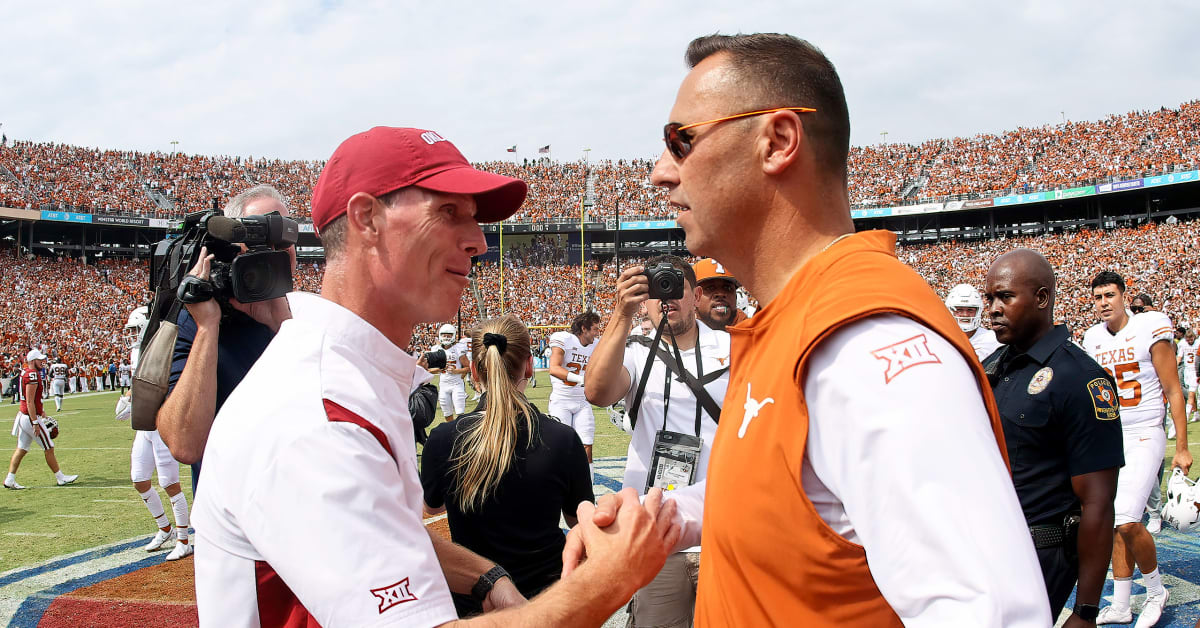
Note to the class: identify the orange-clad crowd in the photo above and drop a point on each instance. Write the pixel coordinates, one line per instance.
(1139, 143)
(77, 311)
(70, 310)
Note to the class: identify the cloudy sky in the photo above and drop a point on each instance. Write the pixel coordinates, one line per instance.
(293, 79)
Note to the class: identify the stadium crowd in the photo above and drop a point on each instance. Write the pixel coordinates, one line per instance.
(1139, 143)
(80, 308)
(74, 311)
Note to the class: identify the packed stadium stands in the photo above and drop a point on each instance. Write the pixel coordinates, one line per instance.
(55, 176)
(77, 310)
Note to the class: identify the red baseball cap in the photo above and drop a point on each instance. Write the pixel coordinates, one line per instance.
(386, 159)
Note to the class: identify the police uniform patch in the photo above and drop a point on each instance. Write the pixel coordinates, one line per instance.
(1040, 381)
(1104, 399)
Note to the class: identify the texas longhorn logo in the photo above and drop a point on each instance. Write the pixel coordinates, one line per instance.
(393, 594)
(904, 355)
(752, 407)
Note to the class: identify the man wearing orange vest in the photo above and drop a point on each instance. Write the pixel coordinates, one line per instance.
(858, 476)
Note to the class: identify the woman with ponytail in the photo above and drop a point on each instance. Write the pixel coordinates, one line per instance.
(506, 472)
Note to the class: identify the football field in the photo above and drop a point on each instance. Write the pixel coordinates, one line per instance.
(60, 545)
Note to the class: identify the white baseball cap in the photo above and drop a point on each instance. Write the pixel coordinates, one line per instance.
(34, 355)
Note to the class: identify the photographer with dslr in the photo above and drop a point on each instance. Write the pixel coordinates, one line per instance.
(218, 342)
(672, 383)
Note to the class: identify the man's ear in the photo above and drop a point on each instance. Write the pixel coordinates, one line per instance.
(783, 136)
(364, 216)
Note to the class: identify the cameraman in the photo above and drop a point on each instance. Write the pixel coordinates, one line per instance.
(217, 345)
(668, 411)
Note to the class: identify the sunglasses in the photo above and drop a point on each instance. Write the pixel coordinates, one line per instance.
(1137, 309)
(679, 141)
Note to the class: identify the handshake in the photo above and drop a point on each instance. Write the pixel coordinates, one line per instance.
(620, 542)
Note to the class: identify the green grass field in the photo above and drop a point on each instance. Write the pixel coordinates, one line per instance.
(47, 520)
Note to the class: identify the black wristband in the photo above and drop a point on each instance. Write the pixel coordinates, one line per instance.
(1086, 612)
(486, 582)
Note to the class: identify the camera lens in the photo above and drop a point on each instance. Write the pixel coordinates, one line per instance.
(256, 281)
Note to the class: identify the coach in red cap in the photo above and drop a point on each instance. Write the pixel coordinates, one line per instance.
(312, 506)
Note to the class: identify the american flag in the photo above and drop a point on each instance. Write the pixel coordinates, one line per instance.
(511, 149)
(544, 149)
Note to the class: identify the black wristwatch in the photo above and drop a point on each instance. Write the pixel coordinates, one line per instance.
(486, 582)
(1086, 612)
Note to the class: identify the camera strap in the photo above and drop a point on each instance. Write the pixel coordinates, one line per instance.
(703, 399)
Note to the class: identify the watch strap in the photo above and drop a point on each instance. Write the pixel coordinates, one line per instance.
(1086, 612)
(488, 580)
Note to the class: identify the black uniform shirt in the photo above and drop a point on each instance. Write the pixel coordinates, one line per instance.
(1059, 412)
(517, 526)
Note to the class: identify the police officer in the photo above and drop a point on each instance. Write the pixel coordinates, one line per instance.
(1060, 416)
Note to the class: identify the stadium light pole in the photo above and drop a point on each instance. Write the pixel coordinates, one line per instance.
(884, 135)
(174, 146)
(1064, 116)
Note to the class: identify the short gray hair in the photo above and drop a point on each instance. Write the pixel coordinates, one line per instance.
(236, 207)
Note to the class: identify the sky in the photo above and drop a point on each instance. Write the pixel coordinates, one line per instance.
(293, 79)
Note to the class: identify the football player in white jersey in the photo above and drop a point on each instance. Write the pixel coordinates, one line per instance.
(569, 355)
(966, 306)
(1186, 355)
(150, 454)
(1137, 350)
(452, 390)
(58, 382)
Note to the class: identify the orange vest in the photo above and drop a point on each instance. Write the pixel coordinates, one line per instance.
(768, 558)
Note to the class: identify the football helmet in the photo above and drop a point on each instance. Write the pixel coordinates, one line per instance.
(51, 426)
(962, 299)
(619, 418)
(447, 335)
(136, 325)
(1181, 509)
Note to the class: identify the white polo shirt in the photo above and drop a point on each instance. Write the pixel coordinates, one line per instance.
(312, 499)
(714, 355)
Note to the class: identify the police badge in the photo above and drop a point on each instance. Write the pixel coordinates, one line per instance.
(1040, 380)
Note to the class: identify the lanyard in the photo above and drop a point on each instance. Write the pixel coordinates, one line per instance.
(679, 361)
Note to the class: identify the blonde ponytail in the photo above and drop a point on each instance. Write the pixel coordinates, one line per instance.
(485, 451)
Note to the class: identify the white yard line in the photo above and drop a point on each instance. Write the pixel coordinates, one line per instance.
(48, 535)
(77, 516)
(117, 501)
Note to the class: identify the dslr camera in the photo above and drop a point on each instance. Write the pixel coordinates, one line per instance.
(263, 272)
(436, 359)
(666, 281)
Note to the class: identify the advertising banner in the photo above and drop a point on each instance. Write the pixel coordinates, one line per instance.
(1169, 179)
(128, 221)
(647, 224)
(1060, 195)
(1119, 186)
(66, 216)
(978, 203)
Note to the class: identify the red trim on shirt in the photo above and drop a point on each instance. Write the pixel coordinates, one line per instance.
(277, 605)
(338, 414)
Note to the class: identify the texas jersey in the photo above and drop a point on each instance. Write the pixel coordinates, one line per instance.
(456, 351)
(58, 370)
(575, 360)
(984, 342)
(1126, 355)
(1187, 356)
